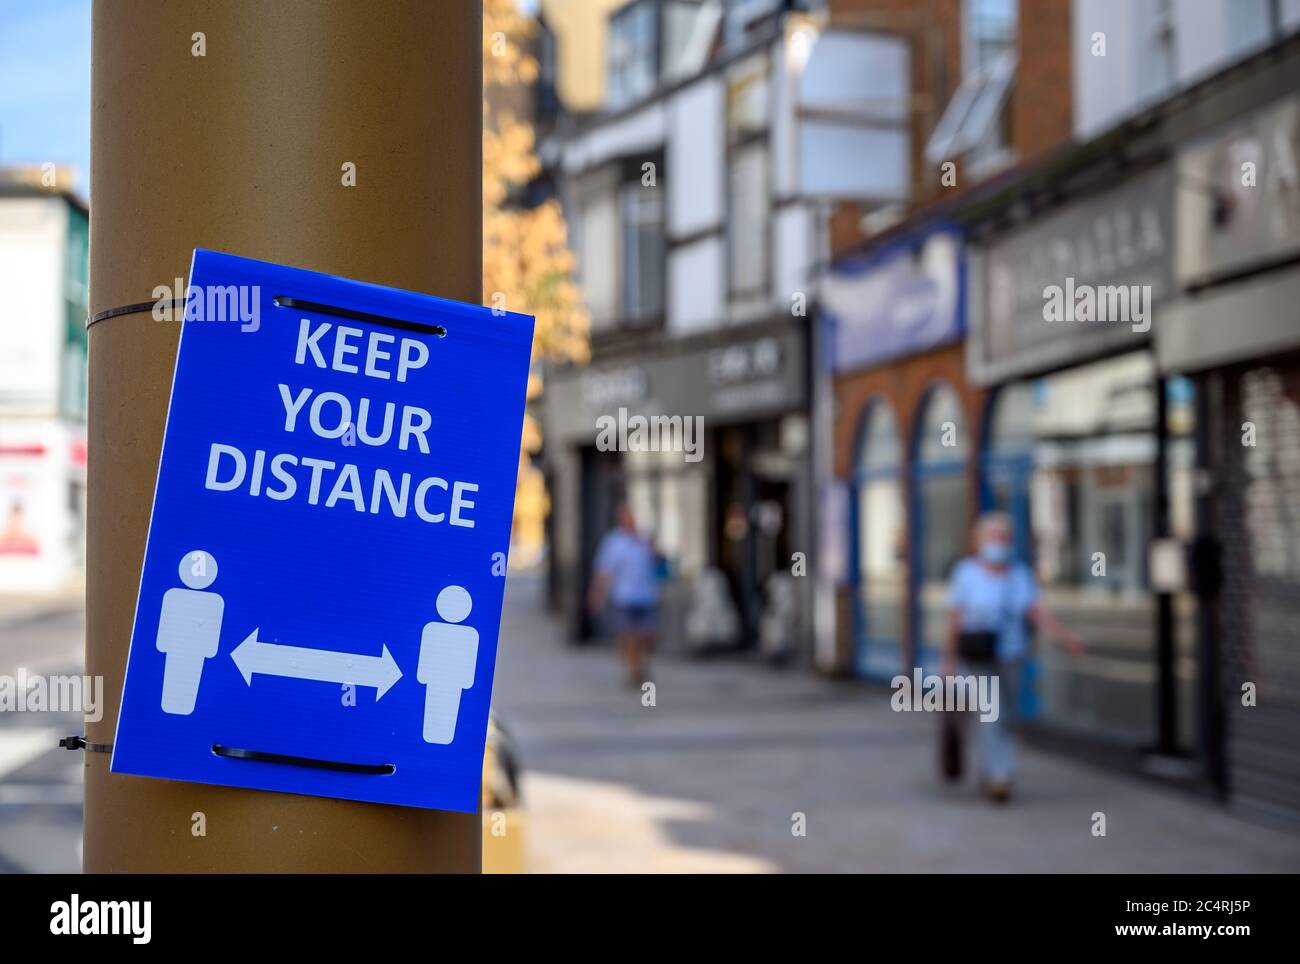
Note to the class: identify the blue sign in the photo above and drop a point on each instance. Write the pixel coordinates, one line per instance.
(904, 298)
(322, 583)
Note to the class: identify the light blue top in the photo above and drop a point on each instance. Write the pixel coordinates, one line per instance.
(630, 564)
(991, 601)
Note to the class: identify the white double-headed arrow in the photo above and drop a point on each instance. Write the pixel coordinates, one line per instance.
(272, 659)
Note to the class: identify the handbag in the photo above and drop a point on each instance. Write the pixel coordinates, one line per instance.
(978, 647)
(981, 645)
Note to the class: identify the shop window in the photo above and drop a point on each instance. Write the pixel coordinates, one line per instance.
(881, 551)
(1009, 460)
(668, 496)
(1078, 478)
(940, 519)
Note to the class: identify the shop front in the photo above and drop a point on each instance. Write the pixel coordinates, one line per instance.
(43, 498)
(1090, 450)
(895, 318)
(730, 512)
(1236, 335)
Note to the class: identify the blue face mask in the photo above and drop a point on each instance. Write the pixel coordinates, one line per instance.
(996, 553)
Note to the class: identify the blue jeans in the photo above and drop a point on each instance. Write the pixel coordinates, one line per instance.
(995, 740)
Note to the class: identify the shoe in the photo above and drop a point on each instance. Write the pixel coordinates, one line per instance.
(999, 791)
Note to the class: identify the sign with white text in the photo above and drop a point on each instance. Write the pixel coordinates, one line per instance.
(322, 583)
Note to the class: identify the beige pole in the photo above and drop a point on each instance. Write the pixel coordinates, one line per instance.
(227, 124)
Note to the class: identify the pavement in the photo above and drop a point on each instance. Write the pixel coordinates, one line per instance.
(735, 756)
(19, 608)
(40, 784)
(714, 777)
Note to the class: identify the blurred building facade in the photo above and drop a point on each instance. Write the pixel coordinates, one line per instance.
(924, 173)
(894, 314)
(1116, 447)
(698, 196)
(44, 243)
(1234, 334)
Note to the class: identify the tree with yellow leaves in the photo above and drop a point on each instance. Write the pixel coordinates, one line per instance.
(527, 264)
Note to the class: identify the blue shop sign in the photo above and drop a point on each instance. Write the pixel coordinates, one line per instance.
(906, 297)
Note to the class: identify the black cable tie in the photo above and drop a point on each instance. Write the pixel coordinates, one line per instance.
(283, 301)
(260, 756)
(79, 743)
(139, 306)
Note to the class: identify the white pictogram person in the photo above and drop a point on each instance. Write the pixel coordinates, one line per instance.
(448, 654)
(188, 631)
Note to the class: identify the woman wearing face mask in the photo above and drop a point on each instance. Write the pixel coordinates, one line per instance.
(993, 599)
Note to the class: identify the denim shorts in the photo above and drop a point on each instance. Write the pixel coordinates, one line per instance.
(635, 618)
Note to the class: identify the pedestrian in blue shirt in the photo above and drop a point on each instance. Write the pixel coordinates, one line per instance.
(626, 582)
(993, 600)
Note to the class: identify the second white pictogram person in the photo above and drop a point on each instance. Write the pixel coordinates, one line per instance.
(448, 655)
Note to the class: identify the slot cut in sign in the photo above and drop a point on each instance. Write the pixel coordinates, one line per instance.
(318, 609)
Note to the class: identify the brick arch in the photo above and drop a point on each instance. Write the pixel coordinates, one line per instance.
(859, 420)
(904, 385)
